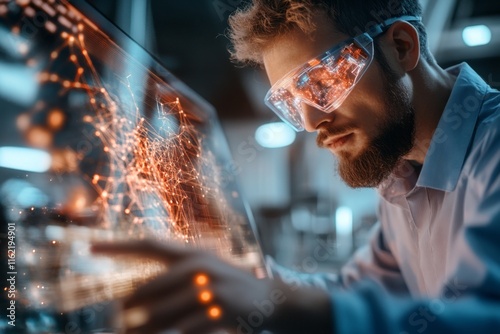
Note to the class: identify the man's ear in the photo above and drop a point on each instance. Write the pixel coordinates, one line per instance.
(402, 45)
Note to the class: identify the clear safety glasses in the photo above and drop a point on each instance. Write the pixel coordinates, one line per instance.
(324, 82)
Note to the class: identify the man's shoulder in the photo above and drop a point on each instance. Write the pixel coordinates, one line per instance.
(488, 122)
(484, 151)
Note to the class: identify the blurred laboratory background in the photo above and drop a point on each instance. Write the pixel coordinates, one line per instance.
(300, 206)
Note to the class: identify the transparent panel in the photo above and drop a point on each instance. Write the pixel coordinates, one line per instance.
(100, 142)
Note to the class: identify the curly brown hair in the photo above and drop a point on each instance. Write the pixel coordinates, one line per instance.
(260, 22)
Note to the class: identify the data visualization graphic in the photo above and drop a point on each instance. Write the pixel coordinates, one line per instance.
(100, 142)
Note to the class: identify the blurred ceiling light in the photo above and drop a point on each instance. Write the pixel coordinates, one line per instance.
(22, 193)
(18, 83)
(25, 159)
(476, 35)
(343, 220)
(274, 135)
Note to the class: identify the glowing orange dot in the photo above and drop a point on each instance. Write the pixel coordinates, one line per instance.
(214, 312)
(201, 280)
(66, 83)
(39, 137)
(23, 122)
(205, 296)
(43, 76)
(23, 48)
(127, 211)
(72, 57)
(64, 34)
(56, 119)
(80, 70)
(54, 77)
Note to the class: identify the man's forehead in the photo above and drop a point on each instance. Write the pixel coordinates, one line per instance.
(296, 47)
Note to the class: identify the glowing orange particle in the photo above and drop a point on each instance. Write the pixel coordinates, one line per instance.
(56, 119)
(214, 312)
(38, 136)
(201, 280)
(43, 76)
(23, 48)
(72, 57)
(23, 122)
(205, 296)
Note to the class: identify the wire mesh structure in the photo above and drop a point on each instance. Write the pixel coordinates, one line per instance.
(100, 142)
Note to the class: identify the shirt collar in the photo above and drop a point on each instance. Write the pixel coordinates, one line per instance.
(448, 147)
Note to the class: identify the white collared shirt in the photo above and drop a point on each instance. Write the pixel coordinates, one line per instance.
(437, 248)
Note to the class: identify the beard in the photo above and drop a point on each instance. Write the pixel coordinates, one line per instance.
(384, 153)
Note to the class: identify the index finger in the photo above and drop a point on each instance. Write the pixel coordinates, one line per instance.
(152, 249)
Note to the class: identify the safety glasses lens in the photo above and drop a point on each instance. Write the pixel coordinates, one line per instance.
(324, 83)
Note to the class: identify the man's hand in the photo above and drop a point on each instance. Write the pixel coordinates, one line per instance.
(199, 293)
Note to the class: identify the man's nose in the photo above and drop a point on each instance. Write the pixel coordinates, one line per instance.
(314, 117)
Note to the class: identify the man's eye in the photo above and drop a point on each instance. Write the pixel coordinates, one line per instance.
(302, 80)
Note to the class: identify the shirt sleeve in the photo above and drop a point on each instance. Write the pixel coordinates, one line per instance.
(373, 260)
(368, 309)
(470, 298)
(295, 279)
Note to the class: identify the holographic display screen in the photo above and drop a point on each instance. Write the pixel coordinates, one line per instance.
(99, 141)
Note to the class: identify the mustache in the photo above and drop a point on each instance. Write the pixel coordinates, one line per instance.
(326, 132)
